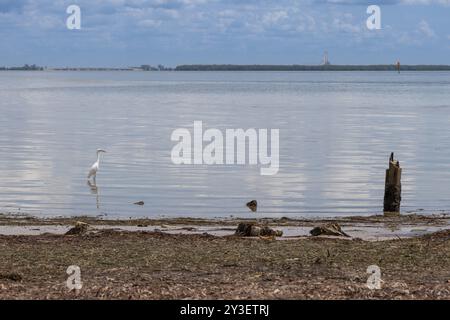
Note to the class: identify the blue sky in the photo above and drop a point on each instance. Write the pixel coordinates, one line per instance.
(173, 32)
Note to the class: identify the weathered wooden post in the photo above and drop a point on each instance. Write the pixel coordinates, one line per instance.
(393, 187)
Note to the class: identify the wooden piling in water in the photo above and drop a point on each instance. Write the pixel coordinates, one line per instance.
(393, 187)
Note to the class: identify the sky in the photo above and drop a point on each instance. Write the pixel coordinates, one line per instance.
(121, 33)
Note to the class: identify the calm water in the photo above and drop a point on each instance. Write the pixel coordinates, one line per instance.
(336, 132)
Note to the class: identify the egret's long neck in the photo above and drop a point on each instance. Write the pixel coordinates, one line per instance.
(98, 157)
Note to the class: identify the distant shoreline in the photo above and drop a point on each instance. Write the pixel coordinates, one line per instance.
(239, 67)
(311, 68)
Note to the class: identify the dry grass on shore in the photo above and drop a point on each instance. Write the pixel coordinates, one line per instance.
(139, 265)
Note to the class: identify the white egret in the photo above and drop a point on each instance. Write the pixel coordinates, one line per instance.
(95, 166)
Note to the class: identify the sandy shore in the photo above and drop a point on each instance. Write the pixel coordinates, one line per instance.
(201, 259)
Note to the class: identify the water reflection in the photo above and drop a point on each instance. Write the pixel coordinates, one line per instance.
(94, 190)
(336, 130)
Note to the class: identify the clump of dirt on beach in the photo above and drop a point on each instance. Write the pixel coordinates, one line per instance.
(139, 265)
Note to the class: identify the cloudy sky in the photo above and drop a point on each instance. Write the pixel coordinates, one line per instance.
(172, 32)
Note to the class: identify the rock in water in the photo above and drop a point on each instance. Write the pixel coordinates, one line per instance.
(252, 230)
(253, 205)
(80, 228)
(330, 229)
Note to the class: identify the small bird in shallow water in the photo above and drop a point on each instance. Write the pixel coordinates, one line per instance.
(95, 166)
(139, 203)
(253, 205)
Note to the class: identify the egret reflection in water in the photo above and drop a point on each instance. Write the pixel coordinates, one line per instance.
(94, 190)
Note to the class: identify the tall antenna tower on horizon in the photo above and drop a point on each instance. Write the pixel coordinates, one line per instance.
(325, 61)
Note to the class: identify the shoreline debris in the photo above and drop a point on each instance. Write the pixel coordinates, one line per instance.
(330, 229)
(79, 229)
(13, 276)
(253, 230)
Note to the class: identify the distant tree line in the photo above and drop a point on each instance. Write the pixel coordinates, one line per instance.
(384, 67)
(26, 67)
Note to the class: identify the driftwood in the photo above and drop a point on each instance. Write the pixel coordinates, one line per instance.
(330, 229)
(393, 187)
(80, 228)
(253, 230)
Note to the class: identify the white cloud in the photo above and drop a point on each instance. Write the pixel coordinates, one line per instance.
(274, 17)
(149, 23)
(425, 29)
(426, 2)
